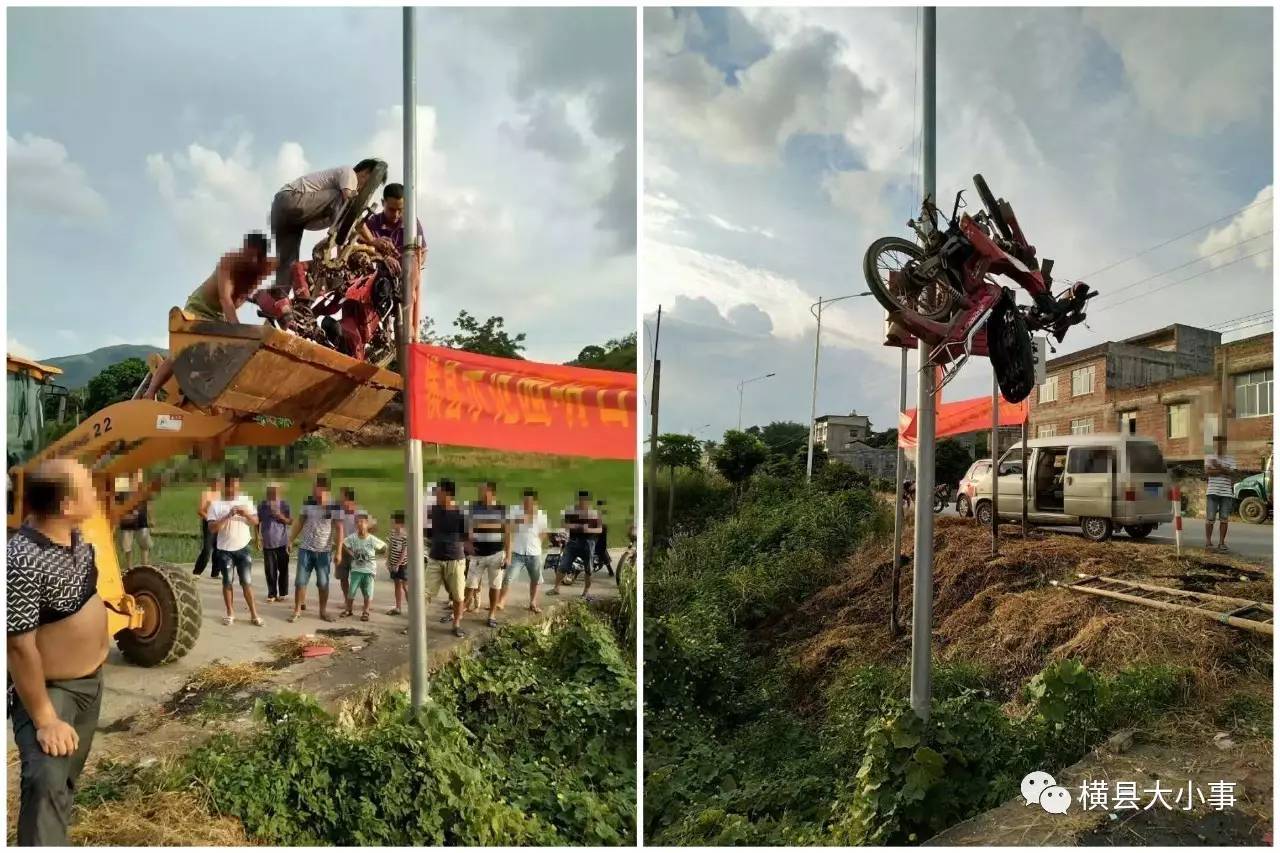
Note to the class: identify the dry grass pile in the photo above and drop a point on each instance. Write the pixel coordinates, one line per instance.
(158, 819)
(290, 649)
(228, 676)
(1002, 613)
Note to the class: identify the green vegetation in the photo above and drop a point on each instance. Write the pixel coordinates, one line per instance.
(377, 476)
(741, 748)
(616, 354)
(114, 384)
(529, 741)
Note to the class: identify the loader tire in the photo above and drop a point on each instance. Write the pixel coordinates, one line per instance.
(171, 615)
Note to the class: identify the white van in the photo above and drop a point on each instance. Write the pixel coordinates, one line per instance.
(1100, 482)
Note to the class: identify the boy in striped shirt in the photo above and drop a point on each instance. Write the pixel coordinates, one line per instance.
(398, 560)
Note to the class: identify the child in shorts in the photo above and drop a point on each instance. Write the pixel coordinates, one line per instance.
(398, 560)
(362, 548)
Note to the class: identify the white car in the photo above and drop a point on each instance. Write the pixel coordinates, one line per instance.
(964, 494)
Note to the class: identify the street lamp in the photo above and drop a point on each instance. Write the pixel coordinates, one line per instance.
(816, 310)
(743, 384)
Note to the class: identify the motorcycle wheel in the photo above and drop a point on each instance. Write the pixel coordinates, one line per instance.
(993, 208)
(933, 301)
(1012, 354)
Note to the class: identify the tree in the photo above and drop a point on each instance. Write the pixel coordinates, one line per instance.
(884, 438)
(115, 384)
(739, 455)
(783, 437)
(616, 354)
(487, 338)
(950, 461)
(676, 450)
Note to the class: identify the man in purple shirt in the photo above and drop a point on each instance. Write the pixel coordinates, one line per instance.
(274, 518)
(385, 229)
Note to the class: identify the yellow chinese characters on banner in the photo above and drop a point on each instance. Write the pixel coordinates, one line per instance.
(462, 398)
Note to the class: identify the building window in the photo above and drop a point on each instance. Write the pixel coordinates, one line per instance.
(1082, 381)
(1082, 426)
(1179, 420)
(1046, 430)
(1128, 423)
(1049, 390)
(1253, 394)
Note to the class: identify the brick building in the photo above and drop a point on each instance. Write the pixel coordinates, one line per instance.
(1170, 385)
(833, 432)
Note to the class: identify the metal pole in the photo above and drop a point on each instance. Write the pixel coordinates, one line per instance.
(1024, 478)
(900, 474)
(412, 446)
(650, 516)
(922, 582)
(995, 457)
(740, 386)
(813, 406)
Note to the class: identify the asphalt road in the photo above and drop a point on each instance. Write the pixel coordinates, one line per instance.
(1249, 541)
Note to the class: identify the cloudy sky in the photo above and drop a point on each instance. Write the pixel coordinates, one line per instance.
(780, 143)
(144, 143)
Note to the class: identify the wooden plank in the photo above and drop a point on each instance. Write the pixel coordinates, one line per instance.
(1234, 621)
(1185, 593)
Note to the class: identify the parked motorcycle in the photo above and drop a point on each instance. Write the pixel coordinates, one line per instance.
(942, 292)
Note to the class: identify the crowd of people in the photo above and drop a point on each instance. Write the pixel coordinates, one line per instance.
(471, 547)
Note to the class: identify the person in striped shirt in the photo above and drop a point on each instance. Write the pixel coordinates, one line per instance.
(1220, 496)
(398, 560)
(490, 535)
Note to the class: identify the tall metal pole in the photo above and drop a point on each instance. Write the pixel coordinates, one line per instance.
(1024, 477)
(813, 405)
(650, 514)
(412, 446)
(740, 387)
(995, 458)
(900, 474)
(922, 581)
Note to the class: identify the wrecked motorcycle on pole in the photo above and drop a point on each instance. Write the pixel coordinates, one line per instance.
(942, 292)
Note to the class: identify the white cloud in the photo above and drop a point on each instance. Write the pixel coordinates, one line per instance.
(1246, 234)
(43, 179)
(1224, 83)
(18, 348)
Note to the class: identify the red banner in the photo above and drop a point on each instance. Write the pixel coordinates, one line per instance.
(471, 400)
(961, 417)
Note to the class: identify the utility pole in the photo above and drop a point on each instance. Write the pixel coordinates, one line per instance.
(922, 581)
(743, 384)
(995, 458)
(816, 310)
(650, 514)
(412, 446)
(901, 472)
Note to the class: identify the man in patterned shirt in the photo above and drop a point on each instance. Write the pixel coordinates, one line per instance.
(57, 646)
(314, 524)
(490, 535)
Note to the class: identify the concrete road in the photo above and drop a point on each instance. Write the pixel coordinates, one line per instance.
(381, 649)
(1248, 541)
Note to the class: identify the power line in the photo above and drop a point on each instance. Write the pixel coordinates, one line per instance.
(1259, 314)
(1176, 239)
(1111, 293)
(1189, 278)
(1235, 329)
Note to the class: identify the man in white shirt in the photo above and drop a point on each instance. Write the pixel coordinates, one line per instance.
(1220, 495)
(232, 520)
(311, 203)
(528, 535)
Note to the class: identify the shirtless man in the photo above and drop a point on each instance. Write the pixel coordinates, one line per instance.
(57, 645)
(221, 294)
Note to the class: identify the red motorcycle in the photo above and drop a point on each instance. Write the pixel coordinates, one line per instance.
(942, 292)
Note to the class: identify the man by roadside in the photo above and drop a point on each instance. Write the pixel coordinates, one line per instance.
(602, 541)
(491, 548)
(446, 563)
(528, 533)
(311, 203)
(233, 520)
(275, 516)
(583, 524)
(315, 526)
(220, 295)
(57, 645)
(210, 494)
(1220, 496)
(135, 527)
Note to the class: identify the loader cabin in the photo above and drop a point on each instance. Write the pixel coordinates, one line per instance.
(1099, 482)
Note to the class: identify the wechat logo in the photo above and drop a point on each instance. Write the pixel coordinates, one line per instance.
(1039, 788)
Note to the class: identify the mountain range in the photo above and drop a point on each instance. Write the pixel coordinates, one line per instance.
(77, 370)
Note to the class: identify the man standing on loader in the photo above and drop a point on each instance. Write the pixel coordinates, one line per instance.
(222, 293)
(57, 646)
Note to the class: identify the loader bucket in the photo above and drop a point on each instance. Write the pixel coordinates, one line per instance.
(260, 370)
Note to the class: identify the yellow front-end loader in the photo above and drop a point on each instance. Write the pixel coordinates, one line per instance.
(226, 376)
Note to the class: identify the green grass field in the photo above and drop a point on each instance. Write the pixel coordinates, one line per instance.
(377, 475)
